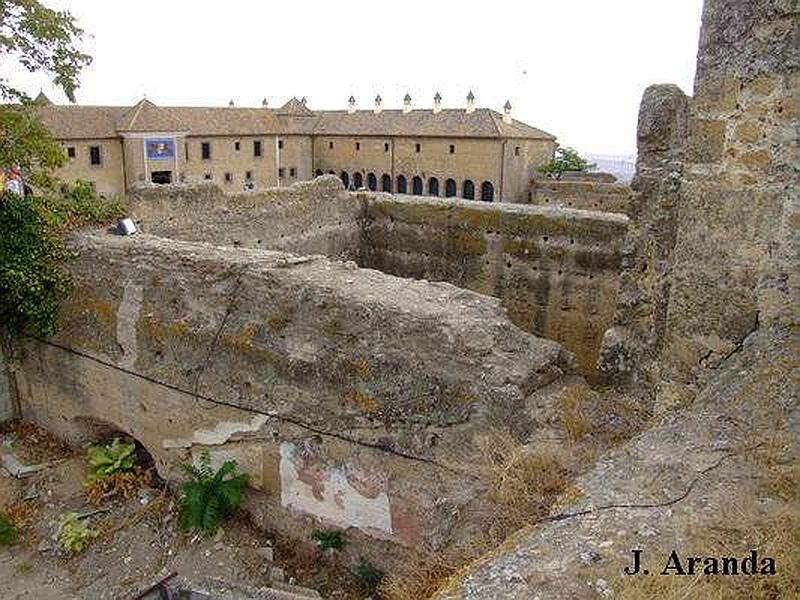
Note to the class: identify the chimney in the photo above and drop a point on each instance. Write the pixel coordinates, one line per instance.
(264, 103)
(378, 102)
(351, 105)
(406, 104)
(470, 102)
(507, 112)
(231, 102)
(437, 103)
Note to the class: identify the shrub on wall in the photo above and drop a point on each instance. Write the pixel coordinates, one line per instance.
(567, 159)
(32, 255)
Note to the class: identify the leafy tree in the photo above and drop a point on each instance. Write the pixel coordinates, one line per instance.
(567, 159)
(208, 496)
(40, 39)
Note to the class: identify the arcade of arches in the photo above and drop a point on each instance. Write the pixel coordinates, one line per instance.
(418, 186)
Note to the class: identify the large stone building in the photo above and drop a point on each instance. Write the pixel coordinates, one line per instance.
(473, 153)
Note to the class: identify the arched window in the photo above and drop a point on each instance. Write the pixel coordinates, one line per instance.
(386, 183)
(469, 190)
(318, 172)
(372, 182)
(416, 186)
(358, 180)
(433, 186)
(450, 188)
(331, 172)
(401, 184)
(345, 179)
(487, 191)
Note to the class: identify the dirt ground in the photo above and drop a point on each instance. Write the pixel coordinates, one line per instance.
(138, 543)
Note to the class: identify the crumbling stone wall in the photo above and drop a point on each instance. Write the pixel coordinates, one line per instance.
(351, 397)
(717, 182)
(555, 270)
(585, 195)
(313, 217)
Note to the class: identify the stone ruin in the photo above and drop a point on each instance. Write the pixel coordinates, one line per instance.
(348, 349)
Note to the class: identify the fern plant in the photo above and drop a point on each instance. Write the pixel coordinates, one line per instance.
(72, 535)
(209, 496)
(8, 533)
(110, 459)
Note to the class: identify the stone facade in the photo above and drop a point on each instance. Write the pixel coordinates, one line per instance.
(476, 155)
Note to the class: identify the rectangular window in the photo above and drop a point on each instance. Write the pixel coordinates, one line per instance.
(292, 172)
(208, 177)
(280, 144)
(386, 147)
(71, 151)
(248, 175)
(330, 145)
(281, 172)
(94, 156)
(237, 146)
(452, 149)
(516, 151)
(358, 145)
(228, 178)
(257, 148)
(205, 150)
(418, 147)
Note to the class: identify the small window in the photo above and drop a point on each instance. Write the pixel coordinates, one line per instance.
(71, 151)
(452, 149)
(237, 145)
(228, 177)
(418, 147)
(358, 145)
(186, 150)
(516, 150)
(281, 172)
(94, 156)
(292, 172)
(330, 145)
(386, 147)
(248, 175)
(256, 147)
(208, 177)
(205, 150)
(280, 144)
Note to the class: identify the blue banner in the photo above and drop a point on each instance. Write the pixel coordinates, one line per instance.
(160, 149)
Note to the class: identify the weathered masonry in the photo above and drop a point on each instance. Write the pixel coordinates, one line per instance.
(257, 327)
(555, 271)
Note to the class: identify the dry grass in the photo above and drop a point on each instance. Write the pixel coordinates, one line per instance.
(23, 515)
(574, 413)
(38, 444)
(522, 483)
(125, 485)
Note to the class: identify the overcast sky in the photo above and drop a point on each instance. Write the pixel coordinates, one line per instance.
(576, 69)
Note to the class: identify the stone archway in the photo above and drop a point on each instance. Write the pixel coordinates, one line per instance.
(487, 191)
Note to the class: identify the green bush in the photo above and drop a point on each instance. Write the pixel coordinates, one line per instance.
(72, 535)
(32, 276)
(328, 539)
(112, 458)
(8, 533)
(208, 496)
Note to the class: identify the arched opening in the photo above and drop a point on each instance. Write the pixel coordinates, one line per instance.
(318, 172)
(345, 179)
(487, 191)
(358, 180)
(372, 182)
(386, 183)
(416, 186)
(401, 184)
(469, 190)
(450, 188)
(433, 186)
(331, 172)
